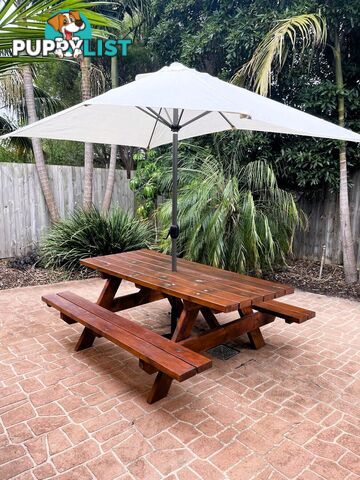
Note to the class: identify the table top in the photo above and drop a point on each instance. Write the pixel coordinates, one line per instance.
(211, 287)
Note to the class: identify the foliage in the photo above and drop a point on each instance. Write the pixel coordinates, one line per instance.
(221, 36)
(230, 215)
(272, 51)
(89, 234)
(146, 182)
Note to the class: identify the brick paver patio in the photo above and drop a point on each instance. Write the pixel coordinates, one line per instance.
(289, 410)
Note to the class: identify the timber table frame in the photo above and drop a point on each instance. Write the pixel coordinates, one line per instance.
(194, 288)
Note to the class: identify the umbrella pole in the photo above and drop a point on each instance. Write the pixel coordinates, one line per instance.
(174, 229)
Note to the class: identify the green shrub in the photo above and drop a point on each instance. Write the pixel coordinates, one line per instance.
(231, 216)
(90, 234)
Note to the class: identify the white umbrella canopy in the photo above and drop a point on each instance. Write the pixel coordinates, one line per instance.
(117, 116)
(172, 104)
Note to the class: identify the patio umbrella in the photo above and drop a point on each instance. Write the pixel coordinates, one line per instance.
(172, 104)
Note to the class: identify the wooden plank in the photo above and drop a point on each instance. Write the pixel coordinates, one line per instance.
(283, 310)
(280, 288)
(163, 264)
(206, 300)
(227, 332)
(199, 362)
(158, 358)
(127, 264)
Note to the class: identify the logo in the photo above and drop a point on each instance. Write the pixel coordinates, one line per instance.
(68, 34)
(68, 30)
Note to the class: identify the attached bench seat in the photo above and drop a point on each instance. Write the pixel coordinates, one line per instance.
(174, 360)
(290, 313)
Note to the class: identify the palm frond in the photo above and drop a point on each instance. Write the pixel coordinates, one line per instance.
(241, 221)
(269, 57)
(20, 145)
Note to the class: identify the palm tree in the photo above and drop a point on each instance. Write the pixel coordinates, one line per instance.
(27, 20)
(113, 152)
(312, 31)
(231, 216)
(36, 145)
(131, 24)
(85, 65)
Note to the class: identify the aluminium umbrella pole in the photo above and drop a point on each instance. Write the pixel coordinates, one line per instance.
(174, 229)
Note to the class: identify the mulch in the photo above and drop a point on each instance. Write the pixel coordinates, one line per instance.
(302, 274)
(29, 275)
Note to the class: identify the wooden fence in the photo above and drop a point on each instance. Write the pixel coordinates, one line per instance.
(23, 214)
(324, 228)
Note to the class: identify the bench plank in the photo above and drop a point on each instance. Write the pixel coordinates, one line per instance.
(200, 362)
(290, 313)
(161, 360)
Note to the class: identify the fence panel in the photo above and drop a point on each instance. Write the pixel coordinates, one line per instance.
(324, 227)
(23, 214)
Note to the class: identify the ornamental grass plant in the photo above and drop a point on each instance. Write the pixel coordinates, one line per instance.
(90, 234)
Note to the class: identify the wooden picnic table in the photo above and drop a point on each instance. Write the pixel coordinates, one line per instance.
(194, 288)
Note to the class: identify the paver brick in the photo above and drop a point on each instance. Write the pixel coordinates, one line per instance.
(11, 469)
(18, 414)
(133, 448)
(106, 467)
(70, 458)
(290, 459)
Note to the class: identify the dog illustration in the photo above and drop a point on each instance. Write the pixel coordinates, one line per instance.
(67, 24)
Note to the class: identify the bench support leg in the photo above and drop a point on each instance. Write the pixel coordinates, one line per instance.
(86, 340)
(255, 336)
(105, 300)
(160, 388)
(256, 339)
(183, 329)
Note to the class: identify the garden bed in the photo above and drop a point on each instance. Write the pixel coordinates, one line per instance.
(304, 274)
(28, 275)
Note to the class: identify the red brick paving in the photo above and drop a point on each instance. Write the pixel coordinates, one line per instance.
(288, 411)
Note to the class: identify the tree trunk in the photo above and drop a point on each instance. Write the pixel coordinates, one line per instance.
(126, 155)
(36, 145)
(85, 65)
(112, 164)
(345, 224)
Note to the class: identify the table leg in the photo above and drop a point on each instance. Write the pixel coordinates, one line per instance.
(105, 300)
(210, 318)
(176, 309)
(183, 329)
(186, 321)
(255, 336)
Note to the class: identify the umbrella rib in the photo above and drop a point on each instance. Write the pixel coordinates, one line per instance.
(153, 130)
(194, 119)
(180, 117)
(154, 115)
(227, 120)
(159, 116)
(167, 114)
